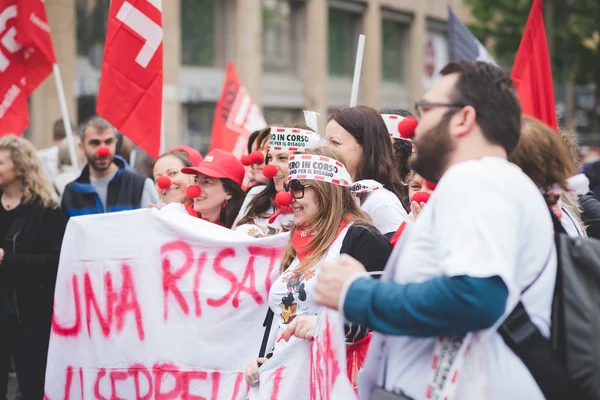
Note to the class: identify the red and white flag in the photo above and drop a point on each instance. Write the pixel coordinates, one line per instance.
(26, 59)
(236, 116)
(131, 85)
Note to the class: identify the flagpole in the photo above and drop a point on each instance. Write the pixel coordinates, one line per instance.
(357, 69)
(65, 116)
(162, 126)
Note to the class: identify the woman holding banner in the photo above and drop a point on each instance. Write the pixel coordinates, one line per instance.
(31, 231)
(260, 215)
(171, 183)
(360, 134)
(327, 223)
(217, 191)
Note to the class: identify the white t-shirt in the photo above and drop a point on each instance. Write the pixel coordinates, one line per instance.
(500, 227)
(260, 227)
(385, 210)
(293, 294)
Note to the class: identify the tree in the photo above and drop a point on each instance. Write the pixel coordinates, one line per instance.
(572, 28)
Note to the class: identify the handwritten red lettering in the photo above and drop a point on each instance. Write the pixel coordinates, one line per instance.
(128, 302)
(277, 378)
(134, 371)
(199, 269)
(97, 395)
(81, 382)
(273, 254)
(57, 327)
(186, 378)
(251, 289)
(170, 278)
(225, 273)
(90, 300)
(68, 382)
(160, 371)
(114, 377)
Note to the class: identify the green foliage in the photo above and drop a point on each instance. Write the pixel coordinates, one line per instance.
(572, 25)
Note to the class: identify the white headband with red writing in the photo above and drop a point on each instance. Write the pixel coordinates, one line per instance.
(320, 168)
(400, 127)
(293, 139)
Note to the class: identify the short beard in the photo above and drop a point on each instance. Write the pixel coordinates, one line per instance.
(432, 151)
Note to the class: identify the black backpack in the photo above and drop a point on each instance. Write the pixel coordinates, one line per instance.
(568, 365)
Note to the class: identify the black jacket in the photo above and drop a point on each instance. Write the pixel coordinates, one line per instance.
(590, 214)
(30, 264)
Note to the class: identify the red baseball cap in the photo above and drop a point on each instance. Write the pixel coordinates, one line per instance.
(194, 155)
(219, 164)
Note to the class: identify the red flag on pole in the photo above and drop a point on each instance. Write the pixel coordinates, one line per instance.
(236, 116)
(131, 84)
(532, 71)
(26, 59)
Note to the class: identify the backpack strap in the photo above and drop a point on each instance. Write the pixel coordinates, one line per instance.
(522, 336)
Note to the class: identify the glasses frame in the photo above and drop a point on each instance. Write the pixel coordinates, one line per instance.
(420, 104)
(288, 188)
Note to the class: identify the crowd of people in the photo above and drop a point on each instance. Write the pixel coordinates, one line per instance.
(455, 211)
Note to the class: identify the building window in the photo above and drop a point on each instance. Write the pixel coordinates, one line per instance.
(198, 33)
(277, 36)
(393, 50)
(343, 34)
(92, 16)
(197, 125)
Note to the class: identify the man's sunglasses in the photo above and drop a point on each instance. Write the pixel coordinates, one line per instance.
(295, 188)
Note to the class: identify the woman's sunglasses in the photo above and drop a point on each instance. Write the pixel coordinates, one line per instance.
(295, 188)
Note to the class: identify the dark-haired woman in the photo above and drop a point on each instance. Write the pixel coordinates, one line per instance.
(401, 147)
(219, 178)
(258, 141)
(259, 215)
(360, 134)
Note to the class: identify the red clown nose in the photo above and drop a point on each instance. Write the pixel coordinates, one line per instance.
(283, 199)
(407, 127)
(103, 152)
(269, 171)
(421, 197)
(257, 157)
(163, 182)
(430, 185)
(193, 191)
(246, 160)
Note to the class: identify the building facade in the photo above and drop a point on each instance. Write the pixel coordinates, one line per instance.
(291, 55)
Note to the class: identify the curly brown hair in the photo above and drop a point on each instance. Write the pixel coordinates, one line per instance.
(28, 168)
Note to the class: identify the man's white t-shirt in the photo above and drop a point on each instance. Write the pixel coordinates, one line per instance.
(485, 218)
(385, 210)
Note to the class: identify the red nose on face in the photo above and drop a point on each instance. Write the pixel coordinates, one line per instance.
(246, 160)
(163, 182)
(269, 171)
(103, 152)
(193, 191)
(420, 197)
(430, 185)
(283, 199)
(407, 127)
(256, 157)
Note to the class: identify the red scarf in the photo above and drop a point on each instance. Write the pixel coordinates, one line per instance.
(282, 210)
(301, 239)
(189, 207)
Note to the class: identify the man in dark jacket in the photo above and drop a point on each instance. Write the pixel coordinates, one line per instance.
(106, 183)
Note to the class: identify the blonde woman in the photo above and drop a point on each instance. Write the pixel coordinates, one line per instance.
(31, 231)
(327, 223)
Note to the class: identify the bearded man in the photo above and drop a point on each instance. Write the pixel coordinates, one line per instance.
(483, 242)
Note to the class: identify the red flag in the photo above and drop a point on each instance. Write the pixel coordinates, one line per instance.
(26, 59)
(131, 84)
(236, 116)
(532, 72)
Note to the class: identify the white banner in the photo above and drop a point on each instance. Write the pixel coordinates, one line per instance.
(157, 305)
(309, 370)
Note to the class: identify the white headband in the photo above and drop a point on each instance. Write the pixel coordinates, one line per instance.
(325, 169)
(392, 122)
(293, 139)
